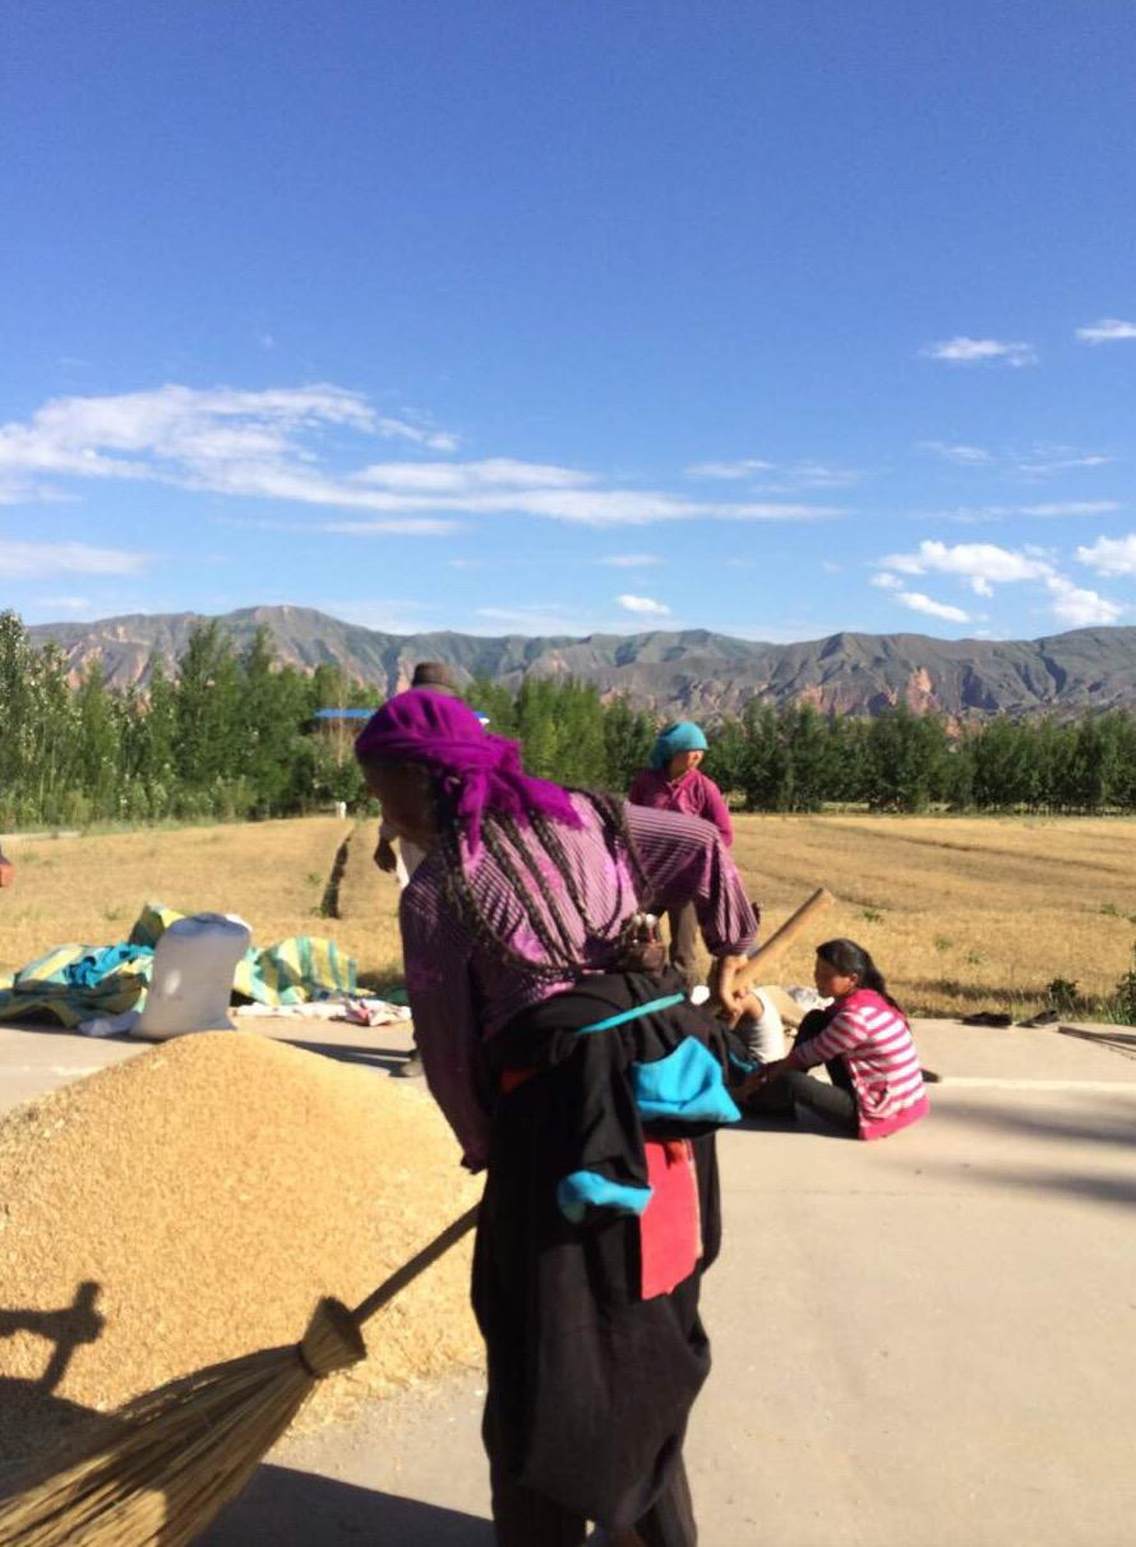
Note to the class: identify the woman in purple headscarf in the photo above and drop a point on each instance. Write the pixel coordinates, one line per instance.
(570, 1064)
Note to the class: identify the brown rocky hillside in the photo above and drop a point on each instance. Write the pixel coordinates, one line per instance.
(695, 672)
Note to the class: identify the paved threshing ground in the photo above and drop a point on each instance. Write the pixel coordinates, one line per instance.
(929, 1339)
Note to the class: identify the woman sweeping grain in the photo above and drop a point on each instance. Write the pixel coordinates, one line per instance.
(572, 1067)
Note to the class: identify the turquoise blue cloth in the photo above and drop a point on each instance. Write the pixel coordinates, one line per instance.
(682, 736)
(584, 1190)
(684, 1087)
(100, 962)
(636, 1012)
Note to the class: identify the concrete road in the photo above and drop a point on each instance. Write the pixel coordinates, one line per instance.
(930, 1339)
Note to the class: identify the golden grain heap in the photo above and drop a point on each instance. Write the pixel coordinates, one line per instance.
(214, 1188)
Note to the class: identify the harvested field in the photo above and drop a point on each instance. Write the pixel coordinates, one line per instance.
(213, 1189)
(960, 912)
(89, 889)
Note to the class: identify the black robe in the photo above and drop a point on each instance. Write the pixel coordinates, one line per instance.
(590, 1385)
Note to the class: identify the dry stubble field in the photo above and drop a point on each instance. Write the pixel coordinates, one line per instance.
(959, 912)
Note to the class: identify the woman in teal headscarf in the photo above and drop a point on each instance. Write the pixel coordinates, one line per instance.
(673, 781)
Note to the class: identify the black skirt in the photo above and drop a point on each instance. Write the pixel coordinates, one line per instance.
(590, 1384)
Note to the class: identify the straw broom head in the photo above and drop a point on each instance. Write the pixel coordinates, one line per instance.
(183, 1451)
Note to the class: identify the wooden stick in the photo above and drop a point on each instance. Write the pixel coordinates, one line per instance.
(417, 1264)
(781, 939)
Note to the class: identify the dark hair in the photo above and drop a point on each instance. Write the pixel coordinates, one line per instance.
(523, 852)
(849, 958)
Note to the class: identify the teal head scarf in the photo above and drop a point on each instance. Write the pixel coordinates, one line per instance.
(682, 736)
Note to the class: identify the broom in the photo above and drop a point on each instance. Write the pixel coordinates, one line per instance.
(185, 1450)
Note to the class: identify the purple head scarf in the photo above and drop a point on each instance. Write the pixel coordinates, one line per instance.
(479, 772)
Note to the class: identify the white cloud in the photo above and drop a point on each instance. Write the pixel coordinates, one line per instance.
(463, 478)
(966, 456)
(980, 351)
(1078, 607)
(80, 604)
(1045, 461)
(886, 581)
(981, 565)
(405, 528)
(984, 565)
(630, 560)
(433, 440)
(791, 476)
(746, 467)
(643, 604)
(1071, 508)
(27, 560)
(259, 445)
(1110, 555)
(925, 604)
(1108, 330)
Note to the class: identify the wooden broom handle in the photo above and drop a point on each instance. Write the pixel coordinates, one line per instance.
(781, 939)
(409, 1271)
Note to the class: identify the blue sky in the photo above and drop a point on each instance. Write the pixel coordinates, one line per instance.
(539, 317)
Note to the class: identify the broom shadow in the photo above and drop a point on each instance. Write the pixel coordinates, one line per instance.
(39, 1425)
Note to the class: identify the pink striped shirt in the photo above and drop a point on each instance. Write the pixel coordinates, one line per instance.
(875, 1042)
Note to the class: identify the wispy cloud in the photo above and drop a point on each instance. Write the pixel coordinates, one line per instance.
(886, 581)
(965, 456)
(1047, 461)
(1071, 508)
(979, 515)
(645, 605)
(630, 560)
(461, 479)
(432, 440)
(744, 467)
(981, 351)
(1110, 555)
(386, 615)
(933, 609)
(35, 560)
(76, 604)
(787, 477)
(1039, 461)
(1109, 330)
(267, 445)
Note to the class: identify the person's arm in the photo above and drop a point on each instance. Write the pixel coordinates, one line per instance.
(717, 811)
(685, 861)
(845, 1031)
(384, 855)
(437, 955)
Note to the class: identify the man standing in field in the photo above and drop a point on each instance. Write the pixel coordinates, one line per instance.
(674, 782)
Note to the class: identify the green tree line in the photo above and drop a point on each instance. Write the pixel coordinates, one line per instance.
(233, 735)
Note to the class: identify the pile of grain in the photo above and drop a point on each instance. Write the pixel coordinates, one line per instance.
(214, 1188)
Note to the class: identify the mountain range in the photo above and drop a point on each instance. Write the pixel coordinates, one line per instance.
(694, 672)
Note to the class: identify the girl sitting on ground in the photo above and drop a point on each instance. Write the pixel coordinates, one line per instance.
(864, 1041)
